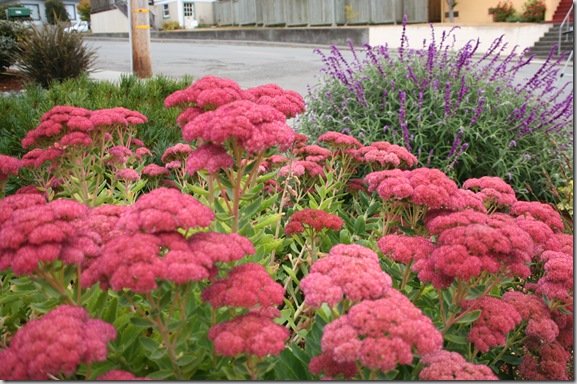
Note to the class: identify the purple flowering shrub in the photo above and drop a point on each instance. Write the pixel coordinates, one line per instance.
(255, 255)
(468, 114)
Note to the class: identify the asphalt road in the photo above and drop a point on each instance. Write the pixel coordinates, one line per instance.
(295, 68)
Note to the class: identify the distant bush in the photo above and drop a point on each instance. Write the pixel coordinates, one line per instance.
(468, 117)
(502, 11)
(49, 54)
(11, 35)
(534, 11)
(55, 12)
(170, 26)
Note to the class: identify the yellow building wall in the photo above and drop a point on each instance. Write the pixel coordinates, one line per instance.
(477, 12)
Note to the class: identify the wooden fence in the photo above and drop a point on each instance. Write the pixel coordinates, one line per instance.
(294, 13)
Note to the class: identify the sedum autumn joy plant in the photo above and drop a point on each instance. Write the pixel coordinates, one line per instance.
(249, 252)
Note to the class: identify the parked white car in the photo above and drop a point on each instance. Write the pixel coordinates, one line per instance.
(79, 26)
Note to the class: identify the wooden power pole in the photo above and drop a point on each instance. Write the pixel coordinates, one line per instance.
(140, 38)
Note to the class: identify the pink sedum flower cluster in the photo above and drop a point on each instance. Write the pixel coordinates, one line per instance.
(539, 211)
(405, 249)
(314, 219)
(381, 334)
(250, 334)
(55, 344)
(119, 375)
(496, 320)
(44, 233)
(349, 271)
(246, 286)
(445, 365)
(325, 364)
(339, 140)
(493, 190)
(209, 157)
(251, 126)
(290, 103)
(386, 155)
(165, 210)
(427, 187)
(471, 242)
(9, 166)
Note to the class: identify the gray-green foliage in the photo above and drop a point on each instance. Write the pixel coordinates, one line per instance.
(49, 54)
(466, 116)
(11, 35)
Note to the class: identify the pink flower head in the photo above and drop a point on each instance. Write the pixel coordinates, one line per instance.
(557, 282)
(315, 219)
(444, 365)
(188, 115)
(251, 334)
(245, 286)
(127, 174)
(543, 236)
(290, 103)
(9, 166)
(381, 333)
(326, 365)
(118, 155)
(565, 241)
(174, 164)
(404, 249)
(179, 152)
(116, 116)
(464, 251)
(532, 308)
(164, 210)
(207, 93)
(127, 262)
(338, 140)
(44, 233)
(253, 127)
(493, 190)
(387, 154)
(103, 218)
(185, 265)
(210, 157)
(346, 272)
(73, 139)
(57, 343)
(12, 203)
(119, 375)
(539, 211)
(301, 167)
(300, 140)
(549, 363)
(221, 247)
(152, 170)
(446, 220)
(141, 152)
(497, 319)
(463, 199)
(313, 153)
(38, 156)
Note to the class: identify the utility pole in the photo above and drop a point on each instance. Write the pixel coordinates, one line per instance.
(140, 38)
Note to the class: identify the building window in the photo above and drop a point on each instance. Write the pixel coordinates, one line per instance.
(71, 10)
(189, 10)
(34, 11)
(165, 11)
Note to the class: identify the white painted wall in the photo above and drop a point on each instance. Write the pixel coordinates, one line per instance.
(522, 34)
(109, 22)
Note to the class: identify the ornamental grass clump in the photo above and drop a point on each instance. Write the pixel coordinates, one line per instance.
(466, 114)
